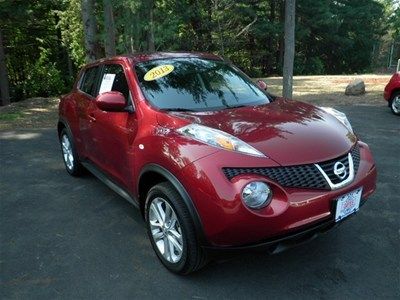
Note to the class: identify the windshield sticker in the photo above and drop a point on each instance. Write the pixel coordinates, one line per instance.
(158, 72)
(107, 83)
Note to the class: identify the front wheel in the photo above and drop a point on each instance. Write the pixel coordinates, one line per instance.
(171, 230)
(395, 103)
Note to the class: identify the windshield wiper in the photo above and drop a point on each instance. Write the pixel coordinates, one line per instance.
(235, 106)
(178, 109)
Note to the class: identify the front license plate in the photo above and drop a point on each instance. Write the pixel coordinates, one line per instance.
(348, 204)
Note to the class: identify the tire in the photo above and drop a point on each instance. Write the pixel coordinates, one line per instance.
(69, 154)
(395, 103)
(191, 257)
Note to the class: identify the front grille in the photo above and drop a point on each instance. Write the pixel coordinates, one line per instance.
(328, 166)
(301, 176)
(355, 153)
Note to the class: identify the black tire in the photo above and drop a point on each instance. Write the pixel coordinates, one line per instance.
(193, 257)
(395, 97)
(74, 168)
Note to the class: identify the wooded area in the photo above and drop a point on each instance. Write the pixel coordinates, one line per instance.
(46, 41)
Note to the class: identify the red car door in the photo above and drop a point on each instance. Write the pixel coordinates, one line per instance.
(85, 104)
(112, 133)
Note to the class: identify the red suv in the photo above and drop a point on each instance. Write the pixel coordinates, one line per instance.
(392, 92)
(211, 159)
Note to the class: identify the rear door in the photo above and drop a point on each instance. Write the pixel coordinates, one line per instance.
(85, 103)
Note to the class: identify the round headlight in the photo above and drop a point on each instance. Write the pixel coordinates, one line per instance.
(256, 194)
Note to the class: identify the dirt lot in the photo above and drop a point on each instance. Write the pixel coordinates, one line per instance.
(321, 90)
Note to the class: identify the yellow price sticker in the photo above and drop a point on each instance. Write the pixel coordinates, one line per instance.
(158, 72)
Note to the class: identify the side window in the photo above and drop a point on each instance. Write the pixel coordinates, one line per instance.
(114, 79)
(88, 84)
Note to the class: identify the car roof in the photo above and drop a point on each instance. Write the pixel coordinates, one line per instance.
(147, 56)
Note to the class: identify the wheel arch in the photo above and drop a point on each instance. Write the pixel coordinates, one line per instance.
(153, 174)
(61, 124)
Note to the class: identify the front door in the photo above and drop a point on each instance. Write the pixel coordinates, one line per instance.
(113, 133)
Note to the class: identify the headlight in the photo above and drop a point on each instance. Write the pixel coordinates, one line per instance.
(218, 138)
(338, 115)
(256, 194)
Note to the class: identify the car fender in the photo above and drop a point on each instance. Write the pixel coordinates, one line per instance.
(182, 192)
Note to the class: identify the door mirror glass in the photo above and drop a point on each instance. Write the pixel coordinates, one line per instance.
(111, 101)
(262, 85)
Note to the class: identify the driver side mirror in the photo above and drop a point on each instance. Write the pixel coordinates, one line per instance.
(262, 84)
(111, 101)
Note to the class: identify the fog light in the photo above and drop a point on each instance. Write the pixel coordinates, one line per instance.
(256, 194)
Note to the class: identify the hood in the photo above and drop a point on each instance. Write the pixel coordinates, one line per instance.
(288, 132)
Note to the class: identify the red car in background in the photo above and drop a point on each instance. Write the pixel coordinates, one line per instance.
(209, 157)
(392, 91)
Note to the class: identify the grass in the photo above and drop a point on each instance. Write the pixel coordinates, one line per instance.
(30, 113)
(11, 117)
(319, 90)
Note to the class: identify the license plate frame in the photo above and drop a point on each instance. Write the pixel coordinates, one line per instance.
(347, 204)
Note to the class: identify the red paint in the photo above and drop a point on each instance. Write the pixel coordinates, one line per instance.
(392, 86)
(287, 132)
(111, 101)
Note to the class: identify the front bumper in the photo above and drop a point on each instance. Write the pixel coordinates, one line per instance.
(228, 223)
(281, 243)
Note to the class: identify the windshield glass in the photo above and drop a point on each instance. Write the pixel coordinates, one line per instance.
(196, 84)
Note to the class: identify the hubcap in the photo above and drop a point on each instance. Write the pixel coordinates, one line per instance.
(396, 104)
(67, 152)
(166, 230)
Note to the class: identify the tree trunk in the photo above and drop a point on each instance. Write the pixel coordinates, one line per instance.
(4, 87)
(150, 34)
(109, 27)
(89, 28)
(289, 49)
(221, 44)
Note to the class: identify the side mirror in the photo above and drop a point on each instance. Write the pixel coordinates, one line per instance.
(262, 85)
(111, 101)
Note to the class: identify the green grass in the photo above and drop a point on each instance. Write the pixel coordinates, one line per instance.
(11, 116)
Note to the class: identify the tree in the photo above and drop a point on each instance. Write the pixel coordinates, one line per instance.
(109, 27)
(150, 31)
(4, 87)
(289, 49)
(90, 29)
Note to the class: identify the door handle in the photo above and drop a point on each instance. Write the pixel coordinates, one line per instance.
(91, 118)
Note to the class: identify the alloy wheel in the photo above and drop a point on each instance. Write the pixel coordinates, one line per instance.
(67, 152)
(396, 104)
(166, 230)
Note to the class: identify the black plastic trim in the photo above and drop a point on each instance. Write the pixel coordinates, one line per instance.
(183, 193)
(110, 182)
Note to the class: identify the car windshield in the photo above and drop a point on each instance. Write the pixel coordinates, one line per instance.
(196, 84)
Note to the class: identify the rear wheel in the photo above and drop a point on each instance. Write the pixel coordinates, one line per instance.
(70, 157)
(171, 230)
(395, 103)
